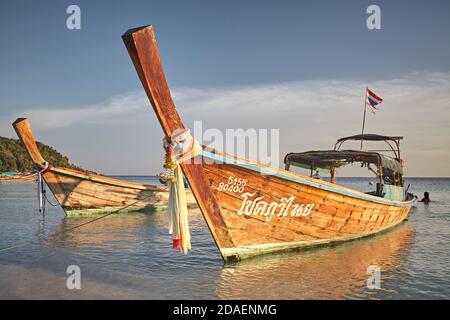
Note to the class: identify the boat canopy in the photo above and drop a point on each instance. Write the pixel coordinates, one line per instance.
(330, 159)
(392, 141)
(370, 137)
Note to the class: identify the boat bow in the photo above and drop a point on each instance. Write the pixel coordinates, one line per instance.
(143, 50)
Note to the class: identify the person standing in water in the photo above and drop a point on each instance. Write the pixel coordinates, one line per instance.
(426, 198)
(317, 175)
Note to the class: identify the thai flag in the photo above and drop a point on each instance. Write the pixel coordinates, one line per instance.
(372, 100)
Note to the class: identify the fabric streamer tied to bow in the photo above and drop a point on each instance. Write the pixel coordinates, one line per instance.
(181, 147)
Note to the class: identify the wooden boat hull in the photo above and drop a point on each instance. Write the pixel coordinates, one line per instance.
(267, 213)
(81, 192)
(292, 211)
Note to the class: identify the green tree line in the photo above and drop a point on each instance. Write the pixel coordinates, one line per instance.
(14, 157)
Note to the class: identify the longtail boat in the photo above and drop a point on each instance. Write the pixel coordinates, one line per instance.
(82, 192)
(251, 213)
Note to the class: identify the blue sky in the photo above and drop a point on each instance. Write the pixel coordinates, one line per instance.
(215, 47)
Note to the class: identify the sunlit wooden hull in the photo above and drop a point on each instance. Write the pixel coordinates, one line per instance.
(81, 192)
(285, 211)
(267, 213)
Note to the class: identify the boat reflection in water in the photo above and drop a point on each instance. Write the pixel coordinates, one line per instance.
(136, 244)
(107, 231)
(322, 273)
(136, 237)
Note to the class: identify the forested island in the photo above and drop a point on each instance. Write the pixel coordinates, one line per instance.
(14, 157)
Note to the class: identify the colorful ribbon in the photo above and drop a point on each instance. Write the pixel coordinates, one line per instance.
(181, 147)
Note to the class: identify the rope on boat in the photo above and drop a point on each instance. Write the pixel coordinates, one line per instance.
(74, 227)
(51, 203)
(41, 191)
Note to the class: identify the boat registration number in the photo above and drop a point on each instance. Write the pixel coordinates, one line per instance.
(233, 185)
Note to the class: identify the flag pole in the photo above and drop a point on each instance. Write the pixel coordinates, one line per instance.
(364, 118)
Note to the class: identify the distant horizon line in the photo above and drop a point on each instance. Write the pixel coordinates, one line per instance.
(156, 175)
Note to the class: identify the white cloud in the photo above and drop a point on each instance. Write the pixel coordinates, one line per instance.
(310, 114)
(113, 109)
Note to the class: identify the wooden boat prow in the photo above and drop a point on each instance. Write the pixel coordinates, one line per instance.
(143, 49)
(81, 192)
(281, 211)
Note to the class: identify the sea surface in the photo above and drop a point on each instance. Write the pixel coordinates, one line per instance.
(129, 256)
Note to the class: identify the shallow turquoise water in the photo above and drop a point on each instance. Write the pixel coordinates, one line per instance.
(129, 256)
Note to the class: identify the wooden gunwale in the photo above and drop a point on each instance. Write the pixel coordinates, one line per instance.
(295, 177)
(106, 180)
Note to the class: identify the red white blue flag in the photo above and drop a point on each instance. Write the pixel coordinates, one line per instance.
(372, 100)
